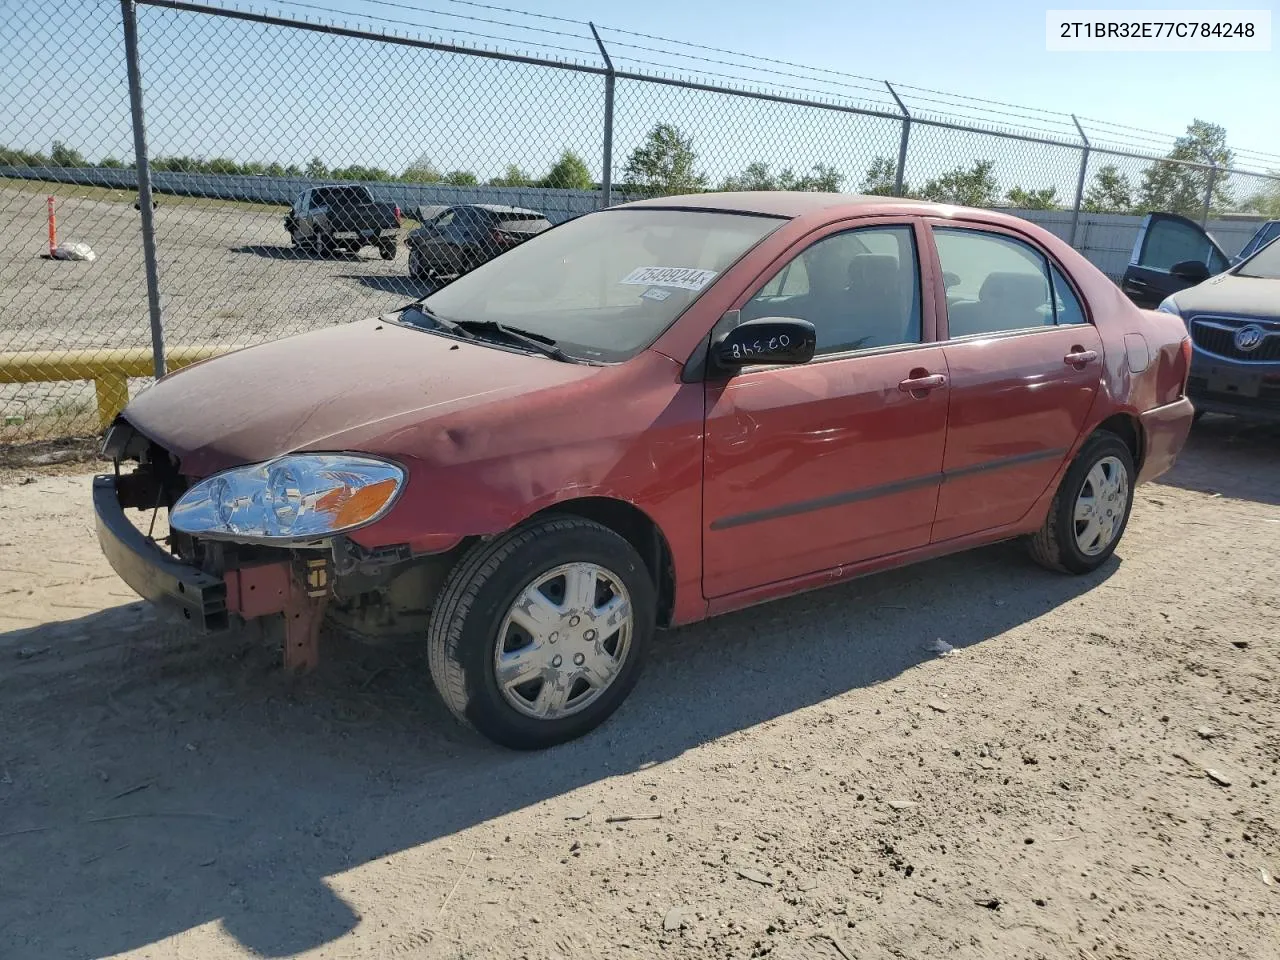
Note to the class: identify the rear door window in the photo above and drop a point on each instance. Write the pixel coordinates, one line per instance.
(998, 284)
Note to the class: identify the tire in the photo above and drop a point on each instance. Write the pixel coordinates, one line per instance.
(474, 606)
(417, 271)
(1056, 545)
(387, 251)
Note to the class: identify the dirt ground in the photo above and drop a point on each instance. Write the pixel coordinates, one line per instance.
(803, 780)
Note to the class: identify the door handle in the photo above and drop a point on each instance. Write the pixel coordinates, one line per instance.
(923, 383)
(1079, 357)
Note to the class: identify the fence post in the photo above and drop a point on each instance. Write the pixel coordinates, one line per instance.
(902, 143)
(1208, 194)
(606, 179)
(1084, 169)
(128, 12)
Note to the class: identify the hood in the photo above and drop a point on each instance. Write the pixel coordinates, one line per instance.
(316, 390)
(1232, 295)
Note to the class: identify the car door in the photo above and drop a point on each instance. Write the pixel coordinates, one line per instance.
(1165, 240)
(838, 460)
(303, 220)
(1265, 234)
(434, 244)
(1025, 364)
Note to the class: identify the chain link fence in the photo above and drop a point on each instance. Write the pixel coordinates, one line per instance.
(306, 174)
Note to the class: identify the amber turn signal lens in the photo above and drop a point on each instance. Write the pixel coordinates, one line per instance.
(349, 509)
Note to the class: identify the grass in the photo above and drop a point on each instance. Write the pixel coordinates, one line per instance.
(77, 191)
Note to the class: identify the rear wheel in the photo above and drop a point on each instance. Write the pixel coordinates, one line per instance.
(539, 635)
(1090, 510)
(387, 250)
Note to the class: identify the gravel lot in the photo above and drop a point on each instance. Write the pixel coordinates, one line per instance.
(806, 779)
(228, 274)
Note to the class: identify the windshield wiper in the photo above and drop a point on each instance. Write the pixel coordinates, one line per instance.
(439, 322)
(534, 341)
(470, 329)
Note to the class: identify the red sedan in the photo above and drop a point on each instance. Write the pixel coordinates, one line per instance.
(643, 417)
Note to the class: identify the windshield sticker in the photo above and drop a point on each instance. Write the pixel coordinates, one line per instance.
(686, 278)
(655, 293)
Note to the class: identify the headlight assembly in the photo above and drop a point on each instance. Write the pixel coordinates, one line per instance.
(1168, 306)
(293, 498)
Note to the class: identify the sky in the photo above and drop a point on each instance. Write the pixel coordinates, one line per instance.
(216, 87)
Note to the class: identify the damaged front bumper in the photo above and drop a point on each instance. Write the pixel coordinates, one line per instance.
(171, 584)
(213, 602)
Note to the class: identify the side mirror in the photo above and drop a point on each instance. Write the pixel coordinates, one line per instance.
(1192, 271)
(950, 279)
(766, 340)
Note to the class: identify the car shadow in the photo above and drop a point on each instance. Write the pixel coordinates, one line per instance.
(234, 792)
(406, 285)
(271, 251)
(1231, 457)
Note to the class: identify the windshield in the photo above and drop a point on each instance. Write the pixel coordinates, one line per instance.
(605, 285)
(1264, 264)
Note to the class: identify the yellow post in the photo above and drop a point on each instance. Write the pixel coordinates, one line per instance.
(112, 390)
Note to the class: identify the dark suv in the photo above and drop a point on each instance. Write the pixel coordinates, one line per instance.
(1231, 307)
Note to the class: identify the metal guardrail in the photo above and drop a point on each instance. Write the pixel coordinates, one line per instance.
(109, 370)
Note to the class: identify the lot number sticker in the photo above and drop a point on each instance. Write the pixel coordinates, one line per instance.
(686, 278)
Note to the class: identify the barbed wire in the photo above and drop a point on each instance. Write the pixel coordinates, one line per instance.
(1018, 118)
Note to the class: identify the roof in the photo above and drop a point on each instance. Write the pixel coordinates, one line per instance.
(499, 208)
(777, 203)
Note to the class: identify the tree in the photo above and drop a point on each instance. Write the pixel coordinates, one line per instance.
(22, 158)
(1110, 191)
(1046, 199)
(111, 163)
(1177, 188)
(316, 170)
(972, 187)
(1266, 201)
(664, 164)
(821, 178)
(358, 172)
(63, 156)
(460, 178)
(568, 173)
(512, 177)
(881, 177)
(422, 170)
(757, 176)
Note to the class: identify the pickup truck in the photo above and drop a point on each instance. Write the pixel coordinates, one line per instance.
(343, 217)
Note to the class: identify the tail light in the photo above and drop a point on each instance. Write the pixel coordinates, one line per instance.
(399, 219)
(1185, 352)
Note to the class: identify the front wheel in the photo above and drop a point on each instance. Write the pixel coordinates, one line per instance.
(539, 635)
(1090, 510)
(387, 250)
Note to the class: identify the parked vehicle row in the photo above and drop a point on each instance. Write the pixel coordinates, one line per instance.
(452, 239)
(650, 415)
(1230, 305)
